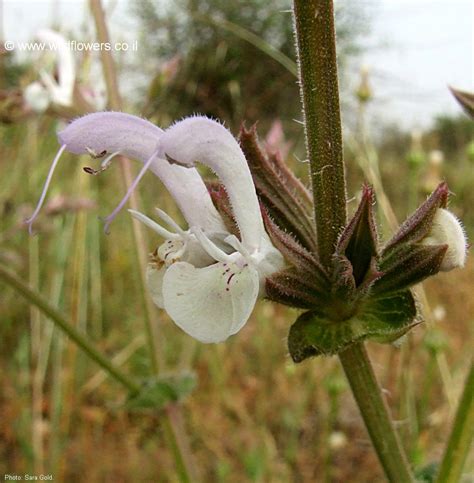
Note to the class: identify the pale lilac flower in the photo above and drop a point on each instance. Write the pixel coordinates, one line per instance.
(206, 279)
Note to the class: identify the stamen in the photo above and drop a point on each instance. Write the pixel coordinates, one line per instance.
(154, 225)
(108, 220)
(234, 242)
(95, 155)
(167, 219)
(30, 220)
(103, 166)
(210, 247)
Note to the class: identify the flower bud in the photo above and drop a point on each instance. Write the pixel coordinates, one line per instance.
(447, 230)
(364, 91)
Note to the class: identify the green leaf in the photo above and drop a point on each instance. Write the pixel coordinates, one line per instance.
(384, 319)
(157, 393)
(427, 474)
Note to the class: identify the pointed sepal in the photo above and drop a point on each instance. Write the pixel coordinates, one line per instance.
(221, 201)
(465, 99)
(358, 243)
(419, 224)
(287, 200)
(411, 266)
(294, 253)
(289, 287)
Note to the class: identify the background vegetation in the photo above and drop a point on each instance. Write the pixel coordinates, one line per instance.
(254, 415)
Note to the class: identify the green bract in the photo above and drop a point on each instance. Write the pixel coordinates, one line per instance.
(385, 319)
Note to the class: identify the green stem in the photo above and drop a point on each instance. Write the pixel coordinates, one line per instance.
(375, 413)
(37, 300)
(316, 48)
(174, 424)
(461, 437)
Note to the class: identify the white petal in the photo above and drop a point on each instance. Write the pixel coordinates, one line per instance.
(36, 97)
(210, 303)
(154, 279)
(447, 229)
(199, 139)
(154, 225)
(63, 91)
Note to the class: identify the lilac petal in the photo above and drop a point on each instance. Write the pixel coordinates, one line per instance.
(111, 131)
(210, 303)
(129, 192)
(138, 139)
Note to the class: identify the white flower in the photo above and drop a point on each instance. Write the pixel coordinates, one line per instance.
(447, 230)
(58, 91)
(37, 97)
(207, 279)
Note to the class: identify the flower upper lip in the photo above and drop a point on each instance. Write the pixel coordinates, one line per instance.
(210, 143)
(136, 138)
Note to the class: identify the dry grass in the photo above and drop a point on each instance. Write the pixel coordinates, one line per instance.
(254, 415)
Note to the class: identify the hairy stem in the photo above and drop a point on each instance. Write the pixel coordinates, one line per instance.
(461, 436)
(375, 413)
(316, 45)
(316, 49)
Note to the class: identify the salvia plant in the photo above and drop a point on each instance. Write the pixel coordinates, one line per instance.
(259, 232)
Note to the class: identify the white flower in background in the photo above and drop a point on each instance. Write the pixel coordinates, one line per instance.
(37, 97)
(206, 279)
(58, 78)
(60, 91)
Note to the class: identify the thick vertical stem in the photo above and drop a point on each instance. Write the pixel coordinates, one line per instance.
(375, 413)
(462, 434)
(316, 45)
(316, 48)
